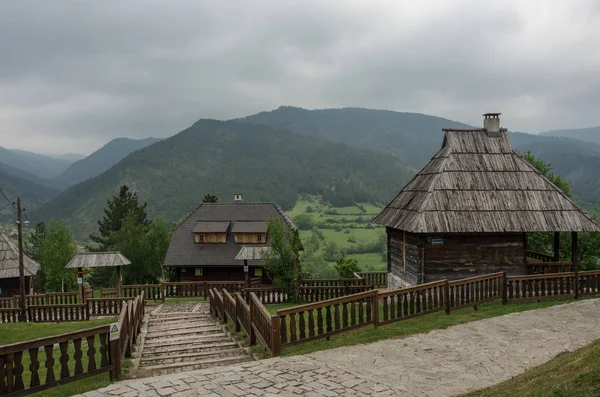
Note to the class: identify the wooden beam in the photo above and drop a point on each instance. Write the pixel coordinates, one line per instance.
(404, 251)
(80, 284)
(574, 258)
(525, 253)
(389, 250)
(556, 246)
(119, 281)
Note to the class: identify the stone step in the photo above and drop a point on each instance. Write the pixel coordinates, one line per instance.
(199, 316)
(162, 369)
(206, 330)
(184, 341)
(189, 348)
(183, 326)
(186, 357)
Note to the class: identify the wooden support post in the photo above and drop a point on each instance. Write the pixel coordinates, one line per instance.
(236, 317)
(246, 274)
(389, 251)
(525, 271)
(115, 360)
(252, 336)
(504, 287)
(375, 311)
(276, 336)
(556, 246)
(446, 296)
(163, 289)
(575, 260)
(119, 281)
(80, 283)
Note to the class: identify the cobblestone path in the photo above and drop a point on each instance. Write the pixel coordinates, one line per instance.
(445, 362)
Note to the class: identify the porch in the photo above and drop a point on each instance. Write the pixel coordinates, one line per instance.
(540, 263)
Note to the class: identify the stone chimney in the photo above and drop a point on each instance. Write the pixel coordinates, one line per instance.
(491, 124)
(238, 198)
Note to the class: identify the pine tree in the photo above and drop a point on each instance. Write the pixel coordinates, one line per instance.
(210, 198)
(35, 241)
(117, 209)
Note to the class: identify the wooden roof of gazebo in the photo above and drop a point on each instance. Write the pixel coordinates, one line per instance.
(477, 183)
(98, 259)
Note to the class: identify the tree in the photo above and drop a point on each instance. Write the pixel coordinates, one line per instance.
(117, 209)
(281, 261)
(54, 254)
(546, 169)
(331, 252)
(210, 198)
(32, 249)
(303, 222)
(346, 267)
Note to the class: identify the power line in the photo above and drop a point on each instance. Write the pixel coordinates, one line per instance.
(4, 195)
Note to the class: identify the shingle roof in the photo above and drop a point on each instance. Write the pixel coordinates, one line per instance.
(9, 259)
(98, 259)
(183, 252)
(249, 227)
(250, 252)
(211, 227)
(478, 184)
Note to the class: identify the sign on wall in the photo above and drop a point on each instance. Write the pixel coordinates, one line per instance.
(435, 240)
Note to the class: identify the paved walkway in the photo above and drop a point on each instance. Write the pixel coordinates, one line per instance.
(446, 362)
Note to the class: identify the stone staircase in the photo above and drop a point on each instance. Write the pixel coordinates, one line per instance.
(183, 337)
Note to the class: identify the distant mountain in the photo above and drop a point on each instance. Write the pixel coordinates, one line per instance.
(102, 159)
(70, 157)
(10, 170)
(31, 193)
(415, 138)
(37, 164)
(585, 134)
(222, 158)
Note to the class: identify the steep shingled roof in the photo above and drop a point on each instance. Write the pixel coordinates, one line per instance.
(9, 259)
(183, 252)
(98, 259)
(478, 184)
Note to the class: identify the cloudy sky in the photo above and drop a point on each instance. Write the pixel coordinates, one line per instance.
(75, 74)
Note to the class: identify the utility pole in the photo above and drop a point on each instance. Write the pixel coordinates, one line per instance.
(22, 314)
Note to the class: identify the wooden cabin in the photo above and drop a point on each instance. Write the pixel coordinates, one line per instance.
(9, 268)
(467, 212)
(218, 241)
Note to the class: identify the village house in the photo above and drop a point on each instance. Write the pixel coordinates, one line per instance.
(9, 268)
(223, 242)
(467, 212)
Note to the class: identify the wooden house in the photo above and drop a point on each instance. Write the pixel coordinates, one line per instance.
(9, 268)
(218, 241)
(467, 212)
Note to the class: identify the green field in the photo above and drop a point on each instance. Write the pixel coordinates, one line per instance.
(328, 232)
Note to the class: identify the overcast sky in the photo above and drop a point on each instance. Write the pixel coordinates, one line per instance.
(75, 74)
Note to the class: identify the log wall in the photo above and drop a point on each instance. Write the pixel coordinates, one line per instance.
(411, 273)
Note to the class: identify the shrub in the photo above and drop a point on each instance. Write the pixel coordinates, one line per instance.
(303, 221)
(346, 267)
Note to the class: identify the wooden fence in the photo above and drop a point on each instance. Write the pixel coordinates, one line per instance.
(378, 279)
(309, 294)
(91, 352)
(323, 319)
(549, 267)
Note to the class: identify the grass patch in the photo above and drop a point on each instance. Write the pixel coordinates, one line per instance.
(20, 332)
(426, 323)
(575, 374)
(371, 262)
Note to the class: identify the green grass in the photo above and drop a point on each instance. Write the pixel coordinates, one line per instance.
(438, 320)
(20, 332)
(575, 374)
(370, 262)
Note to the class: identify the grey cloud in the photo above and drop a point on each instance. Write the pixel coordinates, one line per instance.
(82, 73)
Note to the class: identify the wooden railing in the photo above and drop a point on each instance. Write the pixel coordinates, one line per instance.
(378, 279)
(332, 282)
(411, 302)
(153, 292)
(255, 282)
(324, 319)
(308, 294)
(539, 256)
(91, 351)
(9, 315)
(475, 290)
(549, 267)
(58, 313)
(99, 307)
(541, 286)
(21, 364)
(108, 292)
(265, 327)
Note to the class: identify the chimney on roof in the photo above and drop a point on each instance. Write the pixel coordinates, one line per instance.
(238, 198)
(491, 124)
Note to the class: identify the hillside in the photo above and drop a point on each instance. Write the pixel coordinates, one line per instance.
(264, 163)
(31, 193)
(33, 163)
(584, 134)
(10, 170)
(102, 159)
(415, 138)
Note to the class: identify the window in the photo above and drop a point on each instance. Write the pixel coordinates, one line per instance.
(259, 238)
(201, 238)
(198, 272)
(258, 272)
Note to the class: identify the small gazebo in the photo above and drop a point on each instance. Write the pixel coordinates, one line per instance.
(468, 211)
(98, 259)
